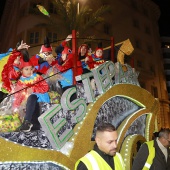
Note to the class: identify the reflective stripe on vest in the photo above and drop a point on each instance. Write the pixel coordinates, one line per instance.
(151, 155)
(94, 161)
(119, 163)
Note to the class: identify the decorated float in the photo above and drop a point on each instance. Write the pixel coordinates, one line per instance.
(68, 128)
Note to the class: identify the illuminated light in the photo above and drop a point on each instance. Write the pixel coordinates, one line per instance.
(120, 133)
(15, 110)
(23, 93)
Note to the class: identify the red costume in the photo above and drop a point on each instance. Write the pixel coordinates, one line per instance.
(95, 60)
(82, 66)
(35, 82)
(10, 71)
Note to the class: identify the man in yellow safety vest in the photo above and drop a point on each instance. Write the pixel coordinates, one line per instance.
(155, 154)
(104, 155)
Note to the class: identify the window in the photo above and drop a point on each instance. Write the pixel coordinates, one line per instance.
(167, 66)
(152, 69)
(139, 64)
(137, 44)
(134, 4)
(154, 91)
(147, 30)
(34, 38)
(52, 9)
(166, 55)
(136, 23)
(145, 12)
(167, 78)
(168, 88)
(23, 11)
(149, 49)
(106, 28)
(52, 36)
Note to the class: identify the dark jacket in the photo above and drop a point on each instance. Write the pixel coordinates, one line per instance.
(159, 162)
(107, 158)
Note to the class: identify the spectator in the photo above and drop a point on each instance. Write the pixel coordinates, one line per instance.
(155, 154)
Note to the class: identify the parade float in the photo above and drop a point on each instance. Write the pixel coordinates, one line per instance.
(68, 128)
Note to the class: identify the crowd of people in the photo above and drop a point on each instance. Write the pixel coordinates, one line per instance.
(25, 76)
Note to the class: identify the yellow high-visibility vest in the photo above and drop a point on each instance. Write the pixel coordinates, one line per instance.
(151, 155)
(94, 161)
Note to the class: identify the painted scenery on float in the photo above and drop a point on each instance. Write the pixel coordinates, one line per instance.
(109, 92)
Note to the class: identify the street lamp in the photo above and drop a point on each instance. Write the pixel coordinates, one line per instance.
(78, 8)
(78, 5)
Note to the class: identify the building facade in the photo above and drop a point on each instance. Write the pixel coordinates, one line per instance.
(132, 19)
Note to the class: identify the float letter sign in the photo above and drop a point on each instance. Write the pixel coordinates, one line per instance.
(51, 129)
(102, 76)
(78, 104)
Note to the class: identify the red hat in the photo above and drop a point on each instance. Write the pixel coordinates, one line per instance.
(66, 50)
(45, 49)
(24, 64)
(86, 46)
(99, 48)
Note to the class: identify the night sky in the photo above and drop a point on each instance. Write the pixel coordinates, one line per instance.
(164, 21)
(2, 4)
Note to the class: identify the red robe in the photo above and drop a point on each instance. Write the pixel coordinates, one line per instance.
(36, 84)
(10, 71)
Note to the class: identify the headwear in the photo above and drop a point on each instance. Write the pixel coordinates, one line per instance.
(66, 50)
(86, 46)
(99, 47)
(46, 47)
(24, 64)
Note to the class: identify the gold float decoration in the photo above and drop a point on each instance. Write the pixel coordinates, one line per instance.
(14, 152)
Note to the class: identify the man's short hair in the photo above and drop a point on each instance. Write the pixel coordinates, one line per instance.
(105, 127)
(164, 132)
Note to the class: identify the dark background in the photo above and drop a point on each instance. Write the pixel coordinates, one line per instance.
(164, 20)
(2, 4)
